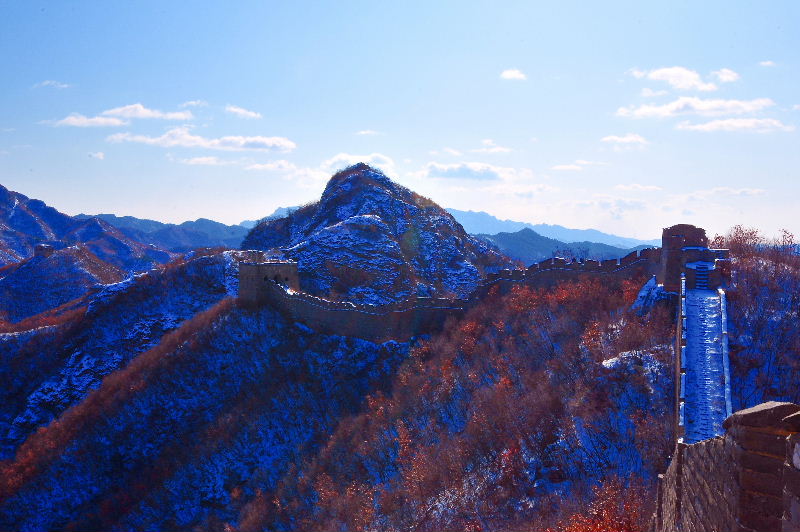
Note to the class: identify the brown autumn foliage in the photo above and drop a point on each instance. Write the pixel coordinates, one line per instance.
(452, 446)
(46, 443)
(55, 317)
(613, 508)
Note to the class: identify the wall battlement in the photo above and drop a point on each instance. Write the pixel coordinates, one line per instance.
(267, 282)
(277, 283)
(746, 480)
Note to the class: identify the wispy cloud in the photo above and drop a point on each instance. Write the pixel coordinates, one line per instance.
(705, 194)
(193, 103)
(637, 187)
(755, 125)
(207, 161)
(182, 137)
(52, 84)
(273, 166)
(464, 170)
(489, 146)
(514, 74)
(629, 138)
(241, 112)
(137, 110)
(650, 93)
(342, 160)
(767, 63)
(577, 166)
(79, 120)
(678, 77)
(688, 105)
(97, 155)
(367, 132)
(725, 75)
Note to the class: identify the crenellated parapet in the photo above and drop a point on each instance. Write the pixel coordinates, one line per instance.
(746, 480)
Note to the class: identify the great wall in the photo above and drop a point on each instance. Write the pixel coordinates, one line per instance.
(729, 471)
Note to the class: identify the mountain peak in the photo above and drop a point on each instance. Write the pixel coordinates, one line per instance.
(371, 240)
(358, 177)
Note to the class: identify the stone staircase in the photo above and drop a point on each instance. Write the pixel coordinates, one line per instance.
(701, 277)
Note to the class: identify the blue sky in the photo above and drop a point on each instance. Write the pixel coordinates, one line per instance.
(614, 115)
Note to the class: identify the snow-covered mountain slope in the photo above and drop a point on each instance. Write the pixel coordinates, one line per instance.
(371, 240)
(44, 372)
(25, 222)
(186, 432)
(42, 283)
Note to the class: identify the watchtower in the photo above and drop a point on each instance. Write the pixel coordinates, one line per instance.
(673, 241)
(255, 277)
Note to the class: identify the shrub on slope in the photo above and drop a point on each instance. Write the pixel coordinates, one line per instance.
(497, 422)
(764, 310)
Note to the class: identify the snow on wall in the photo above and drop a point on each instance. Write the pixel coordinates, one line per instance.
(704, 388)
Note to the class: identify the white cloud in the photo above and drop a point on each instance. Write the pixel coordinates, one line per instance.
(343, 160)
(137, 110)
(725, 75)
(703, 195)
(629, 138)
(489, 146)
(577, 166)
(687, 105)
(97, 155)
(241, 112)
(650, 93)
(796, 107)
(206, 161)
(273, 166)
(636, 187)
(181, 136)
(78, 120)
(513, 73)
(467, 170)
(756, 125)
(451, 151)
(52, 83)
(678, 77)
(193, 103)
(367, 132)
(767, 63)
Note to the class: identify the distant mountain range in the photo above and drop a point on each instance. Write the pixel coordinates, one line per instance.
(529, 246)
(26, 222)
(483, 223)
(280, 212)
(479, 222)
(176, 237)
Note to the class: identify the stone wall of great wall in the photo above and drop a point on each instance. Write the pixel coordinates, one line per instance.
(277, 284)
(746, 480)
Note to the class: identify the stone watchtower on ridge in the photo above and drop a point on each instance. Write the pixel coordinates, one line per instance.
(254, 279)
(673, 240)
(684, 250)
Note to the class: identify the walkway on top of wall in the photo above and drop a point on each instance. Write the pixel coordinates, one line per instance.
(705, 403)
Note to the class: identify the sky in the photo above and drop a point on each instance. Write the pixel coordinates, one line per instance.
(616, 116)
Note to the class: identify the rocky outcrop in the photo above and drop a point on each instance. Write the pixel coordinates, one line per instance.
(370, 240)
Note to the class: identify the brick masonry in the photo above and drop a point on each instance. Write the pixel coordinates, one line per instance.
(747, 480)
